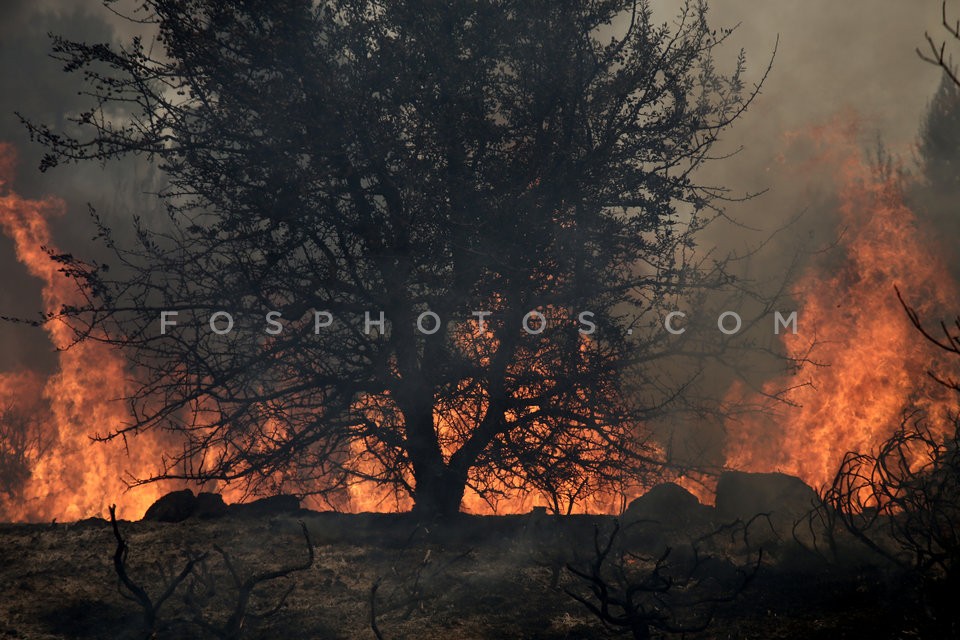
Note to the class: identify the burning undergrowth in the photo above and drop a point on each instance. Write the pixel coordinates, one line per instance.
(65, 475)
(860, 364)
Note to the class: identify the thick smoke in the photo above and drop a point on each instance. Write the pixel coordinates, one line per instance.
(854, 60)
(850, 64)
(35, 86)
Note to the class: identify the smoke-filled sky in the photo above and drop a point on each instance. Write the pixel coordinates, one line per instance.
(832, 57)
(850, 61)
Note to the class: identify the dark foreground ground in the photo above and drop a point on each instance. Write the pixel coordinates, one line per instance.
(484, 577)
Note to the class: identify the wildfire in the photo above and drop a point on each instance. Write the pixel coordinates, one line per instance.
(66, 475)
(865, 364)
(71, 476)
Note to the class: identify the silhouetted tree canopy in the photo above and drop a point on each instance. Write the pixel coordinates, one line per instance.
(940, 139)
(936, 193)
(357, 156)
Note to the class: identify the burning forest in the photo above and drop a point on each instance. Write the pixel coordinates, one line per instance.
(480, 320)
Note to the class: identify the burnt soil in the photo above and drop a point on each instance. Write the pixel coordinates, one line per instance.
(480, 577)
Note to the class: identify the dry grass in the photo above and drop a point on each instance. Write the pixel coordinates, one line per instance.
(483, 578)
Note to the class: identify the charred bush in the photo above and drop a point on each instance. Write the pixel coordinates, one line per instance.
(676, 590)
(903, 499)
(135, 591)
(208, 589)
(418, 575)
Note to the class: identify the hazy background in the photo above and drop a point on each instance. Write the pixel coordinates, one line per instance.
(833, 57)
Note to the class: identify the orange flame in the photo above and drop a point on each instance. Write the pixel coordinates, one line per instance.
(865, 364)
(72, 477)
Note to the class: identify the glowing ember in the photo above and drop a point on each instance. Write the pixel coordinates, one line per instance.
(871, 363)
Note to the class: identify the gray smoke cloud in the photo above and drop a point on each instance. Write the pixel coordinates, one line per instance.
(832, 56)
(33, 84)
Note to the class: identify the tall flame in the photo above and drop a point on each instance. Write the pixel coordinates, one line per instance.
(863, 364)
(72, 477)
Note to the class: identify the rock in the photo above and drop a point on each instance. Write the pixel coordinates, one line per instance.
(744, 495)
(272, 505)
(93, 521)
(176, 506)
(659, 518)
(211, 505)
(667, 503)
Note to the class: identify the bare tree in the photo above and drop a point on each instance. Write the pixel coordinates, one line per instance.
(532, 160)
(23, 441)
(136, 592)
(936, 52)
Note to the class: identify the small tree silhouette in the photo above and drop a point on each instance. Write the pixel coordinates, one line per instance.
(675, 591)
(135, 591)
(203, 588)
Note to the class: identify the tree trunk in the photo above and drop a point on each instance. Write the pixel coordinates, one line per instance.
(439, 486)
(438, 492)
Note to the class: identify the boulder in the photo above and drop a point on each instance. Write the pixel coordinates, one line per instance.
(744, 495)
(269, 506)
(175, 506)
(668, 504)
(211, 505)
